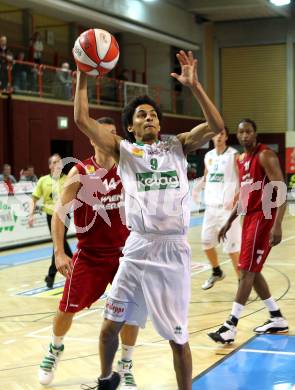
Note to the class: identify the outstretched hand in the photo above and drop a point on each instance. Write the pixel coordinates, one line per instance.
(188, 63)
(223, 231)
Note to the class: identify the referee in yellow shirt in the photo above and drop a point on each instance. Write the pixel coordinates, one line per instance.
(49, 188)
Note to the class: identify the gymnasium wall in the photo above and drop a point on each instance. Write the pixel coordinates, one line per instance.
(254, 86)
(3, 126)
(254, 69)
(32, 126)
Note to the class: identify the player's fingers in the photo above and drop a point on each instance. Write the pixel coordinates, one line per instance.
(191, 57)
(62, 271)
(184, 55)
(181, 58)
(71, 267)
(175, 75)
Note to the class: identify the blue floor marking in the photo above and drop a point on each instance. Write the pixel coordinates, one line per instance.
(28, 256)
(196, 221)
(31, 255)
(266, 362)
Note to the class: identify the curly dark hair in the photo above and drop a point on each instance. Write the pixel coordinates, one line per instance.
(250, 121)
(128, 112)
(226, 129)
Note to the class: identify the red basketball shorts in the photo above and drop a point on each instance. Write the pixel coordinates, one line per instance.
(255, 241)
(90, 276)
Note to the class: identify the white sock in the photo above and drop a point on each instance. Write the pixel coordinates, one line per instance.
(57, 340)
(236, 310)
(107, 377)
(127, 351)
(271, 304)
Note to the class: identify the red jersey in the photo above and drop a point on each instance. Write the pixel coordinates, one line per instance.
(253, 180)
(99, 209)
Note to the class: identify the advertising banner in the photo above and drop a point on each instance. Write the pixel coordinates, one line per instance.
(14, 228)
(290, 167)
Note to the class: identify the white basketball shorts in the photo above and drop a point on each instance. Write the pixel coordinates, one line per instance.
(153, 279)
(214, 220)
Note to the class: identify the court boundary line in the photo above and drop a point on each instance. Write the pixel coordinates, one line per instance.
(87, 313)
(242, 349)
(265, 351)
(196, 378)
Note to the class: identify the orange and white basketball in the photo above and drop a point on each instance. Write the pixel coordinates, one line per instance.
(96, 52)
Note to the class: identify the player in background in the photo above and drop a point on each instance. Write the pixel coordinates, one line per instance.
(263, 201)
(221, 186)
(49, 188)
(155, 273)
(94, 190)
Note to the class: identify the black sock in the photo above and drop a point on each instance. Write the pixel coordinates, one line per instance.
(234, 320)
(276, 313)
(217, 271)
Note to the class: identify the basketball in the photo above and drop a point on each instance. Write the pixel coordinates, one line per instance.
(96, 52)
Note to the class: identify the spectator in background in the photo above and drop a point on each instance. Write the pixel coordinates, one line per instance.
(48, 189)
(64, 82)
(191, 171)
(5, 56)
(123, 75)
(36, 48)
(20, 73)
(28, 174)
(7, 178)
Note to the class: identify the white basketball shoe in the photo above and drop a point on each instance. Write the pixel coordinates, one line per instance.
(225, 334)
(49, 364)
(127, 378)
(273, 325)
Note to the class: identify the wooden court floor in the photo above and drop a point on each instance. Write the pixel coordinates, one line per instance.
(25, 323)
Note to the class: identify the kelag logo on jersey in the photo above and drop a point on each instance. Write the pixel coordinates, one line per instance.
(216, 178)
(150, 181)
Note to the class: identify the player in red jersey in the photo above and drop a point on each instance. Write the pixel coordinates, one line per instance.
(94, 190)
(263, 202)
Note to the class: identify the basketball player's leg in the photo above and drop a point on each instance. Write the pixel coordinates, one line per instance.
(227, 332)
(49, 279)
(261, 287)
(245, 286)
(232, 243)
(125, 305)
(254, 251)
(80, 291)
(168, 304)
(248, 267)
(128, 337)
(234, 256)
(212, 256)
(108, 345)
(276, 323)
(182, 360)
(62, 323)
(209, 242)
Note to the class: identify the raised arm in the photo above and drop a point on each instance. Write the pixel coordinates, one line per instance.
(195, 138)
(62, 208)
(189, 78)
(96, 132)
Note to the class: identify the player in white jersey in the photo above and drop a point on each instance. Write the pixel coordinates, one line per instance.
(221, 187)
(154, 273)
